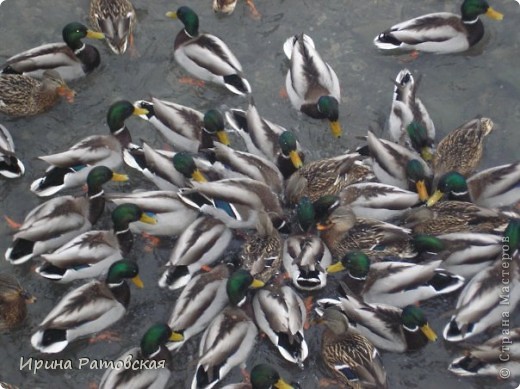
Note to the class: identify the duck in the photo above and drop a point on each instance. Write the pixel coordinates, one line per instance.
(205, 296)
(10, 165)
(480, 304)
(227, 7)
(312, 85)
(267, 139)
(395, 283)
(388, 327)
(235, 201)
(305, 256)
(246, 165)
(200, 244)
(342, 232)
(227, 342)
(72, 58)
(261, 252)
(206, 56)
(489, 359)
(441, 32)
(461, 150)
(152, 350)
(349, 356)
(463, 253)
(116, 20)
(399, 166)
(264, 376)
(326, 176)
(87, 309)
(60, 219)
(166, 169)
(455, 216)
(185, 128)
(377, 201)
(280, 313)
(171, 214)
(70, 168)
(496, 187)
(90, 254)
(22, 96)
(408, 110)
(13, 302)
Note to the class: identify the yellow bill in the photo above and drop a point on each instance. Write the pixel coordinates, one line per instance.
(223, 137)
(335, 267)
(295, 159)
(198, 176)
(335, 127)
(137, 281)
(171, 14)
(429, 333)
(140, 111)
(146, 218)
(118, 177)
(422, 191)
(434, 198)
(95, 35)
(257, 284)
(494, 14)
(176, 337)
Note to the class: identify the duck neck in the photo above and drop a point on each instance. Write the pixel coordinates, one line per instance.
(123, 135)
(121, 292)
(96, 204)
(125, 239)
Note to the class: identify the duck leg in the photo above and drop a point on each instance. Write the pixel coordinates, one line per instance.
(254, 11)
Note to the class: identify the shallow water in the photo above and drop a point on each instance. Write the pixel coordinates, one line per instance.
(454, 88)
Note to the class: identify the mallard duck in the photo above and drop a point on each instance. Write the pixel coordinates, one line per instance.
(205, 296)
(72, 59)
(280, 313)
(58, 220)
(153, 352)
(462, 253)
(228, 6)
(492, 188)
(395, 283)
(262, 251)
(326, 177)
(484, 300)
(201, 243)
(168, 170)
(116, 19)
(235, 201)
(387, 327)
(455, 216)
(409, 123)
(305, 256)
(21, 95)
(461, 150)
(185, 128)
(226, 343)
(343, 232)
(87, 309)
(247, 165)
(441, 32)
(311, 83)
(377, 201)
(70, 168)
(206, 56)
(91, 253)
(349, 356)
(172, 215)
(399, 166)
(13, 302)
(10, 165)
(491, 358)
(264, 376)
(267, 139)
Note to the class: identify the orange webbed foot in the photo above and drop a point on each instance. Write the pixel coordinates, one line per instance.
(308, 308)
(283, 93)
(109, 336)
(192, 81)
(412, 56)
(253, 10)
(11, 223)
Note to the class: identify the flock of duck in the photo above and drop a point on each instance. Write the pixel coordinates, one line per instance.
(404, 219)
